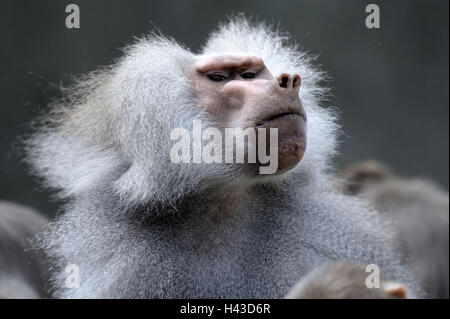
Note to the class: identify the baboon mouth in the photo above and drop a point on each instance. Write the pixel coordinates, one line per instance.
(277, 116)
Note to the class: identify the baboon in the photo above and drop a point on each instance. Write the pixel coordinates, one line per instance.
(139, 225)
(344, 280)
(419, 210)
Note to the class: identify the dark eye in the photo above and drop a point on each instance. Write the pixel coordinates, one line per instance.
(217, 77)
(248, 75)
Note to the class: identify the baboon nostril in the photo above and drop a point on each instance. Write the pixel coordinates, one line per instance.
(297, 81)
(284, 81)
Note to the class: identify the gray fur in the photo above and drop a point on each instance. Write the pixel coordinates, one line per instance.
(22, 273)
(140, 226)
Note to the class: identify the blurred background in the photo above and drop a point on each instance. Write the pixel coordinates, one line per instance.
(391, 84)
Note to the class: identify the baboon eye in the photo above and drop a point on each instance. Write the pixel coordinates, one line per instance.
(248, 75)
(217, 77)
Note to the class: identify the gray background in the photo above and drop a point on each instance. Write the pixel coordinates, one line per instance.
(391, 84)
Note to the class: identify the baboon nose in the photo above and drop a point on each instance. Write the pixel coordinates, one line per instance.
(288, 81)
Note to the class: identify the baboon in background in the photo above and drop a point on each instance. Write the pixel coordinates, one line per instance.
(22, 273)
(344, 280)
(139, 225)
(420, 211)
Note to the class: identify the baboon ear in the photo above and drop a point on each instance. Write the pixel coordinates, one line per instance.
(396, 290)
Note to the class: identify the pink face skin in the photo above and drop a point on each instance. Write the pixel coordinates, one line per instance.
(239, 91)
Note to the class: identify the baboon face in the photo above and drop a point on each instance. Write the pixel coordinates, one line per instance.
(239, 91)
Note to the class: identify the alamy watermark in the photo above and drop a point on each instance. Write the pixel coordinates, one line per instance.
(72, 276)
(373, 280)
(73, 17)
(373, 19)
(189, 148)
